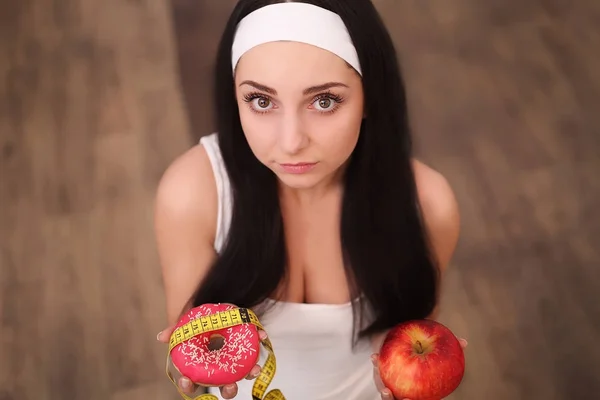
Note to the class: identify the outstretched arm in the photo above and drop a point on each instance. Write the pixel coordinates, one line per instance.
(442, 220)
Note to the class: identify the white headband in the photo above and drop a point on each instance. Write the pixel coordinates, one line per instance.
(297, 22)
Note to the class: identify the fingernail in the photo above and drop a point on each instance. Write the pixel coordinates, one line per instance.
(464, 341)
(229, 388)
(374, 360)
(158, 335)
(186, 383)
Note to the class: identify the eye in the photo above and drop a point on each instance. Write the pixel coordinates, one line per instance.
(327, 102)
(324, 104)
(261, 103)
(258, 102)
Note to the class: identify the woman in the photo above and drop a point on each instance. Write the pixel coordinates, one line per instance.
(307, 205)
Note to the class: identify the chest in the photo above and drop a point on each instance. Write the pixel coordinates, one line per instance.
(315, 262)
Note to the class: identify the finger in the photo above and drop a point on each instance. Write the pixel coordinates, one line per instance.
(186, 385)
(386, 394)
(165, 335)
(375, 360)
(229, 391)
(463, 342)
(262, 334)
(254, 372)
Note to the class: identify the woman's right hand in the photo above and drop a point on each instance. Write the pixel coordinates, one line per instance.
(188, 387)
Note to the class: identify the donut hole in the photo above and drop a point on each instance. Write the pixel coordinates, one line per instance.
(216, 342)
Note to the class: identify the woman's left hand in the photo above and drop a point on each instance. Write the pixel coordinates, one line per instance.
(386, 394)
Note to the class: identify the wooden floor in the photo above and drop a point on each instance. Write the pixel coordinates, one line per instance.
(504, 96)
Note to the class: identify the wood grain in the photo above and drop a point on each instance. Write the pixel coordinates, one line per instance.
(96, 99)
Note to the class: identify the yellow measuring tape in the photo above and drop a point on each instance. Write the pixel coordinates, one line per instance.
(220, 320)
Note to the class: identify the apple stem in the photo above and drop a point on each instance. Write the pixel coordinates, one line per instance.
(420, 351)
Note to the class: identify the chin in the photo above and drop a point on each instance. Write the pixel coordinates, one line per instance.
(300, 181)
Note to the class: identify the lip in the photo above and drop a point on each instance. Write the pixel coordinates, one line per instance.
(298, 168)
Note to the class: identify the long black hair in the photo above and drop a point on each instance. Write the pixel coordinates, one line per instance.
(386, 250)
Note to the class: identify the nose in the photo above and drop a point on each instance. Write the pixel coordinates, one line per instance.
(292, 138)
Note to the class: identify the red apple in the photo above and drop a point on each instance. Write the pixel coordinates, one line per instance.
(421, 360)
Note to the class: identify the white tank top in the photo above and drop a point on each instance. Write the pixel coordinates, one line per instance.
(312, 342)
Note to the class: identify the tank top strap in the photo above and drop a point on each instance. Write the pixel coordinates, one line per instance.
(224, 192)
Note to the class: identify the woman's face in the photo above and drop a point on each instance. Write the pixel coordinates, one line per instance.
(301, 109)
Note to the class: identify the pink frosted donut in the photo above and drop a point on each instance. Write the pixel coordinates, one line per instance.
(237, 350)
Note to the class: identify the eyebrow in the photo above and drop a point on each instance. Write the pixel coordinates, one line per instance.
(307, 91)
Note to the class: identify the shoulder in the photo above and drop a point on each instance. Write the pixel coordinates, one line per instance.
(187, 192)
(440, 210)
